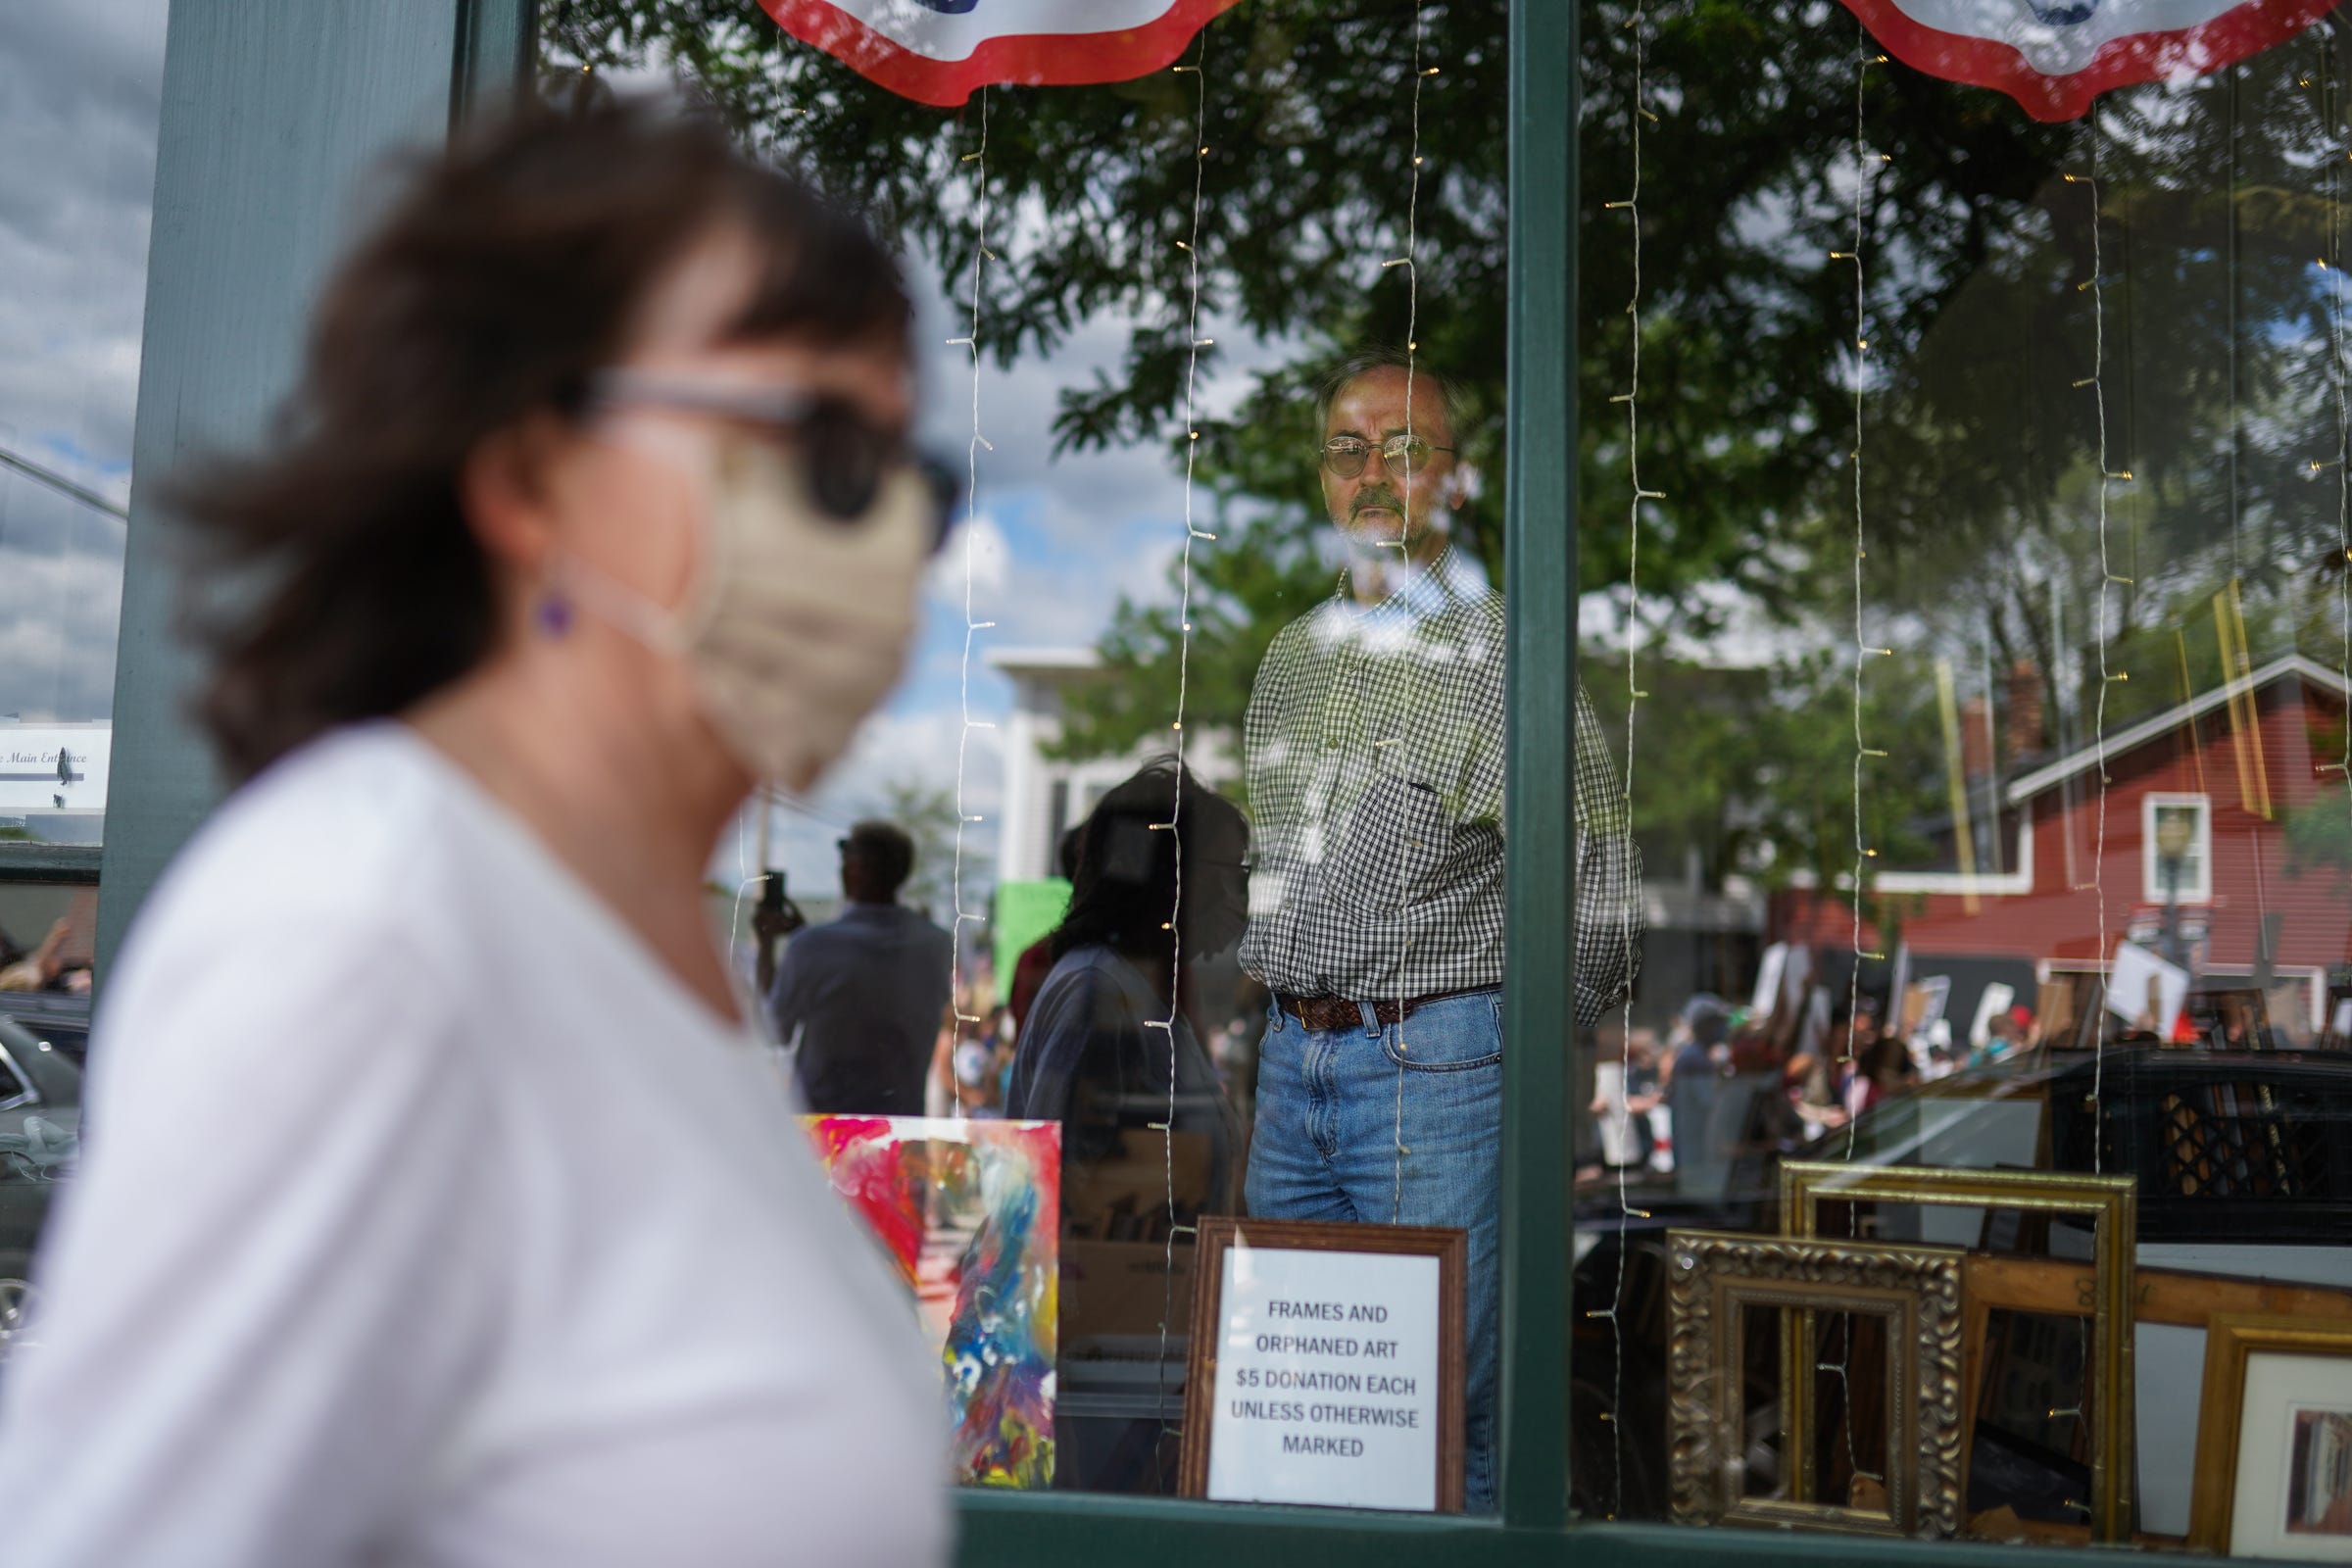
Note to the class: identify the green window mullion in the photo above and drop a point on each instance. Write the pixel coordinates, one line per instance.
(1539, 546)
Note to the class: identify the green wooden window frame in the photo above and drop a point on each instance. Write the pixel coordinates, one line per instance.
(274, 110)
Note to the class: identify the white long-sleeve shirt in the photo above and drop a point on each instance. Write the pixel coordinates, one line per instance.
(425, 1219)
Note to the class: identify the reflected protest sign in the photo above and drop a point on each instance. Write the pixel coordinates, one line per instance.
(2145, 991)
(1327, 1365)
(939, 51)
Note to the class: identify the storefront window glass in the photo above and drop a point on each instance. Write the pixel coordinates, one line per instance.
(80, 91)
(1220, 351)
(80, 97)
(1965, 532)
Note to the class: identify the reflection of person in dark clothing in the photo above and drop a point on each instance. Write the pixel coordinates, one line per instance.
(1698, 1029)
(1110, 1051)
(859, 998)
(1106, 1032)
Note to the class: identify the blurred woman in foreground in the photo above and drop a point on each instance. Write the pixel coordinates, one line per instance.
(443, 1209)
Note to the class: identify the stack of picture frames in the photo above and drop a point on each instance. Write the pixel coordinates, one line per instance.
(1937, 1389)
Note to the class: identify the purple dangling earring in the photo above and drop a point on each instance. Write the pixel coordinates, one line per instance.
(552, 615)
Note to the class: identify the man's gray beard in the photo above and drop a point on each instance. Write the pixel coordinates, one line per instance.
(1347, 548)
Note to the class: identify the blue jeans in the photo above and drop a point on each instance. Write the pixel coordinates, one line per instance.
(1334, 1106)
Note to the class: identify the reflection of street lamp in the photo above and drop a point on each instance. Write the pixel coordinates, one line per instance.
(2172, 848)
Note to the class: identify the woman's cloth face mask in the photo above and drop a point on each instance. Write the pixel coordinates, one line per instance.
(799, 622)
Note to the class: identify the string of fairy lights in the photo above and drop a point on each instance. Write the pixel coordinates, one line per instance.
(1411, 262)
(972, 626)
(2109, 580)
(1866, 55)
(1636, 114)
(1194, 534)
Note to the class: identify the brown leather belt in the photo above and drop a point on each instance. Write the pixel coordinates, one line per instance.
(1337, 1012)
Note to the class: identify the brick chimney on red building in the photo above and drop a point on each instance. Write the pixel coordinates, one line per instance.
(2021, 735)
(1975, 737)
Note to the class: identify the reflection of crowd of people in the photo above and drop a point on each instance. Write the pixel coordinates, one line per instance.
(1828, 1065)
(881, 1016)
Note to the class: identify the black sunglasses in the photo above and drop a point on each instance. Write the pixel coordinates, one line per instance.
(844, 455)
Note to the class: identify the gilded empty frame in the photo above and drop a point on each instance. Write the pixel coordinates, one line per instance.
(1714, 1280)
(2109, 1203)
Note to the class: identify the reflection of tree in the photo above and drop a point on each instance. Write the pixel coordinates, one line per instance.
(1306, 177)
(2216, 394)
(1752, 770)
(2319, 832)
(1982, 475)
(1308, 181)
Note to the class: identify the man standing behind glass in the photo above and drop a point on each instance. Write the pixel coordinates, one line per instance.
(1374, 754)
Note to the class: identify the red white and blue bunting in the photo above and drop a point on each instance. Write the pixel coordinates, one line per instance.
(2055, 56)
(939, 51)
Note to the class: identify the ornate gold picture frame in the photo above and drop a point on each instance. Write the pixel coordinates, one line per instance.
(2110, 1202)
(1715, 1278)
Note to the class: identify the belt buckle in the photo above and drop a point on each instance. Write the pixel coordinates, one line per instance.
(1319, 1013)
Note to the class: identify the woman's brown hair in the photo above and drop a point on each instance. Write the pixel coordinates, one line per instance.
(334, 575)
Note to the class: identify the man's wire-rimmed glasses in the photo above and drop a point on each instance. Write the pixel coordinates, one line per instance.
(1345, 456)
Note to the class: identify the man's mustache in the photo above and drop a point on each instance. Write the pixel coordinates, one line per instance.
(1381, 498)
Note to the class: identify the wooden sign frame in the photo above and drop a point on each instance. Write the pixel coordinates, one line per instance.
(1218, 1235)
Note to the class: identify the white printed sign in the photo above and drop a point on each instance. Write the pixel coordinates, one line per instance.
(53, 769)
(1327, 1379)
(2145, 991)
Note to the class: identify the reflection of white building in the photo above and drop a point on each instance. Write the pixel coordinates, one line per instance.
(1042, 795)
(53, 769)
(52, 778)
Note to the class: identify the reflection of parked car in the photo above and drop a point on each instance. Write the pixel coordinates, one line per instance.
(40, 1125)
(2234, 1152)
(60, 1017)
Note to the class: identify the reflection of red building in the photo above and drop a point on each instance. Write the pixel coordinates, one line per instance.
(2232, 768)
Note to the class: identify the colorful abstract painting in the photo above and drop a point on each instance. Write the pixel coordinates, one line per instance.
(969, 1210)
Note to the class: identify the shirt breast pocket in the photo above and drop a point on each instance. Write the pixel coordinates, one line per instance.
(1388, 847)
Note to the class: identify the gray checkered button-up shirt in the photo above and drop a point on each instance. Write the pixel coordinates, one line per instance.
(1374, 759)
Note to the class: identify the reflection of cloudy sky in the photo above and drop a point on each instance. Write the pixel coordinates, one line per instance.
(1053, 545)
(80, 93)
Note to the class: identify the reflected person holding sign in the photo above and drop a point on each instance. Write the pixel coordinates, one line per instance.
(1374, 756)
